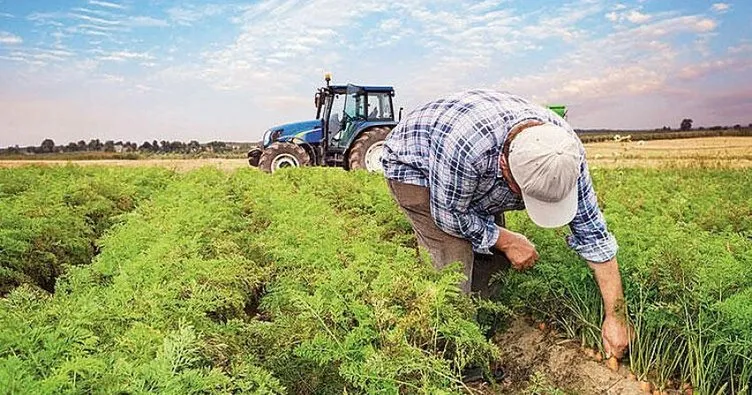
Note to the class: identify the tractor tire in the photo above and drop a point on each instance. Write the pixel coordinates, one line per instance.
(282, 154)
(365, 152)
(253, 157)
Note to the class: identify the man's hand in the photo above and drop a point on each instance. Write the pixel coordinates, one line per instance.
(615, 331)
(520, 251)
(615, 334)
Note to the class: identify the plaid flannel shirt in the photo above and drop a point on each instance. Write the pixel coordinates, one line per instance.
(452, 147)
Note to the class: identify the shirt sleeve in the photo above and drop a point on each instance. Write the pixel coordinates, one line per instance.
(590, 237)
(453, 179)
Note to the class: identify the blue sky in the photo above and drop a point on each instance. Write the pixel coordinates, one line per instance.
(161, 69)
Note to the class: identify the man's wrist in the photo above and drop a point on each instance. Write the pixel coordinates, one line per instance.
(504, 240)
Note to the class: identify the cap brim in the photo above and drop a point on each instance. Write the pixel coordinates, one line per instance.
(552, 215)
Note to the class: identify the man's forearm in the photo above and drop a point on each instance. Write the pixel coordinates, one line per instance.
(609, 281)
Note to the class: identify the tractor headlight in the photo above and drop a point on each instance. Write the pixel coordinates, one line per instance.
(267, 137)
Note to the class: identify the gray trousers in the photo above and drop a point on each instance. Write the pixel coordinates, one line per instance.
(445, 248)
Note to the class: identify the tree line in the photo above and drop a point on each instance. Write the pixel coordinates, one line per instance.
(95, 145)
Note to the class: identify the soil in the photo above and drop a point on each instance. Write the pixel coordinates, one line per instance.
(527, 350)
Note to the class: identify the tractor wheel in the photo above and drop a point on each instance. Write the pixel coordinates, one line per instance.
(281, 154)
(365, 152)
(253, 157)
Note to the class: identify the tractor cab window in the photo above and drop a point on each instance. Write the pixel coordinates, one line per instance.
(379, 106)
(355, 105)
(336, 118)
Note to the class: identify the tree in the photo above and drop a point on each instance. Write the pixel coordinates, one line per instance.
(47, 146)
(82, 145)
(109, 146)
(71, 147)
(194, 146)
(686, 124)
(95, 145)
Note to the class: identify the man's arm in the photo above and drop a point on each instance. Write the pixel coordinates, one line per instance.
(615, 331)
(592, 240)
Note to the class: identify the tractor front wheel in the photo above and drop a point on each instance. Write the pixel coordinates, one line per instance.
(254, 156)
(282, 154)
(365, 152)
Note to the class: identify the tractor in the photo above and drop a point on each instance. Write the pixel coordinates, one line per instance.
(351, 125)
(349, 131)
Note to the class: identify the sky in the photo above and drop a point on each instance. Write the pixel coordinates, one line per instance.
(136, 70)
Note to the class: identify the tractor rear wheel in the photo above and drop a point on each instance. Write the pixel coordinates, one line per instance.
(282, 154)
(365, 152)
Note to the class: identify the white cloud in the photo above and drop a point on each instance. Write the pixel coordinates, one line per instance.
(743, 47)
(113, 78)
(637, 17)
(6, 15)
(9, 38)
(721, 7)
(122, 56)
(91, 19)
(699, 70)
(107, 4)
(390, 25)
(612, 16)
(145, 21)
(186, 15)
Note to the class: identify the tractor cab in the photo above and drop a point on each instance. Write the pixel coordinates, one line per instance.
(351, 123)
(347, 110)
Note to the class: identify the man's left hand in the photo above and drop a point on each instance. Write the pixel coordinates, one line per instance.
(615, 333)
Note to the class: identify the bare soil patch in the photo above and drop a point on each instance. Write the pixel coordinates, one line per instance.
(528, 351)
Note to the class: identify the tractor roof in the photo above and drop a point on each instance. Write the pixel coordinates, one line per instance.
(343, 88)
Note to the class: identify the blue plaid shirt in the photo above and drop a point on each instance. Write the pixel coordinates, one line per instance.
(452, 146)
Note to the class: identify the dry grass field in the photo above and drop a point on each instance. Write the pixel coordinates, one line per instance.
(732, 152)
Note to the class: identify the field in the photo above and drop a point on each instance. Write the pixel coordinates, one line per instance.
(183, 280)
(704, 151)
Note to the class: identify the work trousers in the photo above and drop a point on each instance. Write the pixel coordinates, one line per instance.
(445, 248)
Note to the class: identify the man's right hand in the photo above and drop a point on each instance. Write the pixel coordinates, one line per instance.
(520, 251)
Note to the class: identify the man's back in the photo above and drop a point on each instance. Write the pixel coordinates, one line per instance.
(475, 121)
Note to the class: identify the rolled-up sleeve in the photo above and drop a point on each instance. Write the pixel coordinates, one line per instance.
(453, 179)
(590, 237)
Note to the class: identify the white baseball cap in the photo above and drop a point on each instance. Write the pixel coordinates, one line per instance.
(545, 162)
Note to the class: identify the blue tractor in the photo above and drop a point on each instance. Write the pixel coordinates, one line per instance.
(349, 131)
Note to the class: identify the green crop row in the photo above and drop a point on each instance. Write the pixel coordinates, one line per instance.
(52, 217)
(685, 253)
(242, 283)
(308, 281)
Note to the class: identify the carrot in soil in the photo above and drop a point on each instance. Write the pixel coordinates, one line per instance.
(632, 376)
(645, 386)
(613, 364)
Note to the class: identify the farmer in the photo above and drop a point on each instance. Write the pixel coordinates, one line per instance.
(456, 164)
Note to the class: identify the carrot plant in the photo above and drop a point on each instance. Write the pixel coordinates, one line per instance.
(685, 255)
(52, 217)
(309, 281)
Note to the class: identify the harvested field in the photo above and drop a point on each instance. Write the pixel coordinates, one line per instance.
(735, 152)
